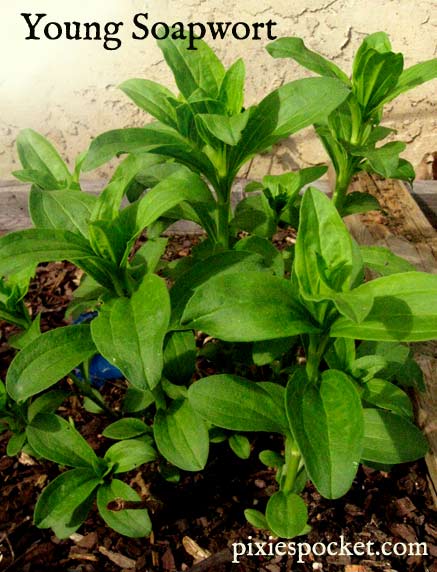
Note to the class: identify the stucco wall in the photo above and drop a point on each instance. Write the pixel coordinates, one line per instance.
(67, 90)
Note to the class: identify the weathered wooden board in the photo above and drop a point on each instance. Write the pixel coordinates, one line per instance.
(404, 229)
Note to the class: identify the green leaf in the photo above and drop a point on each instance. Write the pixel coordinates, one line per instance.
(15, 444)
(414, 76)
(385, 160)
(43, 180)
(19, 341)
(156, 137)
(256, 518)
(357, 202)
(253, 214)
(180, 357)
(47, 359)
(38, 154)
(55, 439)
(62, 210)
(391, 439)
(129, 332)
(214, 398)
(341, 354)
(327, 423)
(323, 253)
(250, 306)
(404, 309)
(288, 109)
(266, 351)
(46, 403)
(24, 248)
(150, 253)
(295, 48)
(286, 514)
(193, 69)
(200, 273)
(153, 98)
(227, 129)
(181, 436)
(137, 400)
(65, 502)
(125, 428)
(130, 454)
(271, 459)
(384, 261)
(386, 395)
(374, 76)
(134, 523)
(240, 444)
(271, 255)
(232, 88)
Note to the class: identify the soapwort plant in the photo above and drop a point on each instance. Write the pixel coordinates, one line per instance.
(344, 406)
(353, 130)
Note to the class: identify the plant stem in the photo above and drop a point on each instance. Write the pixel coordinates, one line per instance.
(223, 192)
(315, 353)
(85, 388)
(292, 460)
(342, 182)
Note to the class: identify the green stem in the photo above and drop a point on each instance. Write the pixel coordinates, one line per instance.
(85, 389)
(316, 349)
(223, 192)
(342, 182)
(292, 461)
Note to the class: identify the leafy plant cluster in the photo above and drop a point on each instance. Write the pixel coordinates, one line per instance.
(343, 402)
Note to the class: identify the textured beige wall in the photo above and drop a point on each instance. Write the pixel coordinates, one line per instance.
(68, 90)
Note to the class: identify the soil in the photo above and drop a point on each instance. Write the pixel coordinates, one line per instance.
(202, 515)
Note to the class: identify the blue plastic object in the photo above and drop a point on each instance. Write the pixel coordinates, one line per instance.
(100, 370)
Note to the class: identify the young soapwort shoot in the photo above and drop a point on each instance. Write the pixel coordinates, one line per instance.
(207, 127)
(345, 406)
(352, 134)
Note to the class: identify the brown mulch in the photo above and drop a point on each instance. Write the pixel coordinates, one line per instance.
(203, 513)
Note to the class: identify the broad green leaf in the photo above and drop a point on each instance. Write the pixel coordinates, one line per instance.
(256, 518)
(266, 351)
(38, 154)
(385, 160)
(130, 454)
(232, 88)
(404, 309)
(384, 261)
(341, 354)
(245, 307)
(295, 48)
(214, 398)
(48, 359)
(46, 403)
(19, 341)
(129, 332)
(253, 214)
(386, 395)
(227, 129)
(414, 76)
(271, 459)
(374, 77)
(180, 357)
(288, 109)
(43, 180)
(65, 502)
(216, 265)
(62, 210)
(357, 202)
(323, 253)
(286, 514)
(181, 436)
(391, 439)
(15, 444)
(193, 69)
(26, 248)
(327, 424)
(156, 137)
(366, 367)
(240, 444)
(57, 440)
(152, 97)
(271, 255)
(125, 428)
(150, 253)
(137, 400)
(134, 523)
